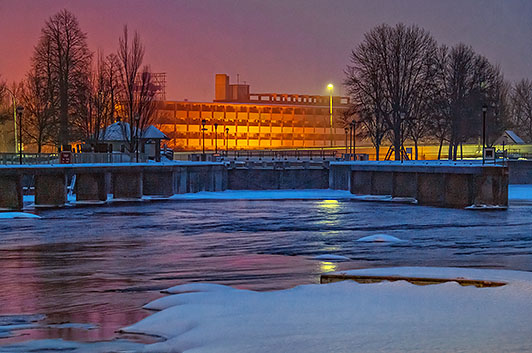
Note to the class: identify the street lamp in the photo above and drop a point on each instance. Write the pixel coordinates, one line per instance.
(20, 110)
(403, 115)
(203, 122)
(137, 120)
(354, 132)
(330, 88)
(484, 111)
(216, 138)
(226, 141)
(14, 115)
(346, 132)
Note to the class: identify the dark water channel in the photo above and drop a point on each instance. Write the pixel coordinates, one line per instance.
(82, 273)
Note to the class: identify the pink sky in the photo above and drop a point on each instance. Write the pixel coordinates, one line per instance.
(276, 46)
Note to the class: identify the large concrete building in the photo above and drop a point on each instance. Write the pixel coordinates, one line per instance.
(238, 119)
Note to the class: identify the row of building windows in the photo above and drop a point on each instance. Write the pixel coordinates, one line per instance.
(246, 126)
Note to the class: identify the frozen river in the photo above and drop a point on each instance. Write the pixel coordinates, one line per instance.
(82, 273)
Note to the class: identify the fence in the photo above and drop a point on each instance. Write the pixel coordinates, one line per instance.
(77, 158)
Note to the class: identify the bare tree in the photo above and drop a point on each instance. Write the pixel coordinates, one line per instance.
(3, 101)
(112, 67)
(521, 99)
(101, 98)
(63, 57)
(137, 90)
(388, 76)
(365, 84)
(467, 82)
(39, 125)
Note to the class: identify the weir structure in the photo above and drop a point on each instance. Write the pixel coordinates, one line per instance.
(446, 184)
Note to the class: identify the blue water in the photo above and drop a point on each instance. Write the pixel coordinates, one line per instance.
(93, 268)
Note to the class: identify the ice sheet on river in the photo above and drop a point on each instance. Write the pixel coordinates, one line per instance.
(312, 194)
(15, 215)
(350, 317)
(338, 317)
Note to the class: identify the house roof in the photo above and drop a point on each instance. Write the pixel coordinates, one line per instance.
(152, 133)
(514, 137)
(120, 131)
(509, 138)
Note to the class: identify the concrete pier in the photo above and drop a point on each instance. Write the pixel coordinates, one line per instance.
(11, 192)
(127, 184)
(445, 184)
(91, 187)
(50, 189)
(158, 182)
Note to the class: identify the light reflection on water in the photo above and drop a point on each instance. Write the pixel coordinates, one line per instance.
(100, 265)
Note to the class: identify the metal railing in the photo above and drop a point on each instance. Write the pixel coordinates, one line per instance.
(77, 158)
(265, 155)
(322, 154)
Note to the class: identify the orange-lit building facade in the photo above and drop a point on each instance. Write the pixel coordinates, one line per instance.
(251, 120)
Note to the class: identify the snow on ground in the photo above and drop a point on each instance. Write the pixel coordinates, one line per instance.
(311, 194)
(519, 192)
(380, 238)
(349, 317)
(14, 215)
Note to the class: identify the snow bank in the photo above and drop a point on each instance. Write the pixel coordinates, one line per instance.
(14, 215)
(349, 317)
(446, 272)
(380, 238)
(520, 192)
(310, 194)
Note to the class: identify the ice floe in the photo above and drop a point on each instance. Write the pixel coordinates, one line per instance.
(15, 215)
(380, 238)
(331, 257)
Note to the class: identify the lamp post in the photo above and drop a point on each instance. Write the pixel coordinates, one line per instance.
(346, 132)
(14, 115)
(20, 110)
(216, 138)
(137, 120)
(330, 87)
(403, 115)
(354, 132)
(226, 141)
(484, 111)
(203, 122)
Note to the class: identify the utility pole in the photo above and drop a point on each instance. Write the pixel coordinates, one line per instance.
(484, 111)
(20, 110)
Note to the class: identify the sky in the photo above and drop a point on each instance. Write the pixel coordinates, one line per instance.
(283, 46)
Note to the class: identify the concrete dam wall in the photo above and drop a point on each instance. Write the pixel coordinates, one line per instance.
(437, 184)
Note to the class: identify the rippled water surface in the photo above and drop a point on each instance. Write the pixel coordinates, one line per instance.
(82, 273)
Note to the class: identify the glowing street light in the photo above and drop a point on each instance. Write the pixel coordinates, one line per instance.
(330, 88)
